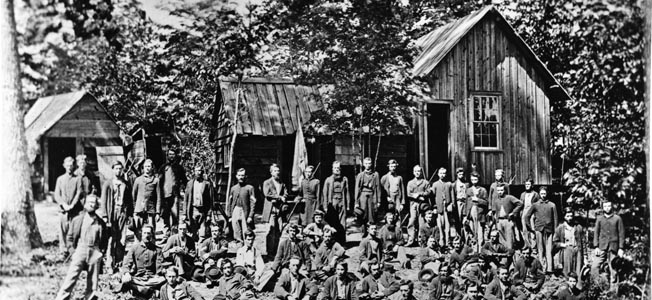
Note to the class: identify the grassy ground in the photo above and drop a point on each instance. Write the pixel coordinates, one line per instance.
(41, 280)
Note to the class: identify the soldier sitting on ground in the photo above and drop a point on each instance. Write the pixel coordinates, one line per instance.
(180, 250)
(142, 266)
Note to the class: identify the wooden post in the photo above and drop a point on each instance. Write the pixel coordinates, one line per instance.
(46, 166)
(238, 92)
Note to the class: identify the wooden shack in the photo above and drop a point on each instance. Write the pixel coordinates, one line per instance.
(68, 125)
(270, 112)
(489, 101)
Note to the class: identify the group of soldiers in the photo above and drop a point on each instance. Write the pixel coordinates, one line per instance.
(472, 243)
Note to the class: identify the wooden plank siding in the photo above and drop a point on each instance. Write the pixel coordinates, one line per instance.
(487, 60)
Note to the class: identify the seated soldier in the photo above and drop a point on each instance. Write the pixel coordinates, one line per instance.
(180, 250)
(231, 282)
(460, 252)
(501, 287)
(293, 285)
(570, 292)
(250, 258)
(216, 246)
(391, 237)
(176, 288)
(444, 286)
(379, 284)
(327, 255)
(529, 272)
(339, 286)
(472, 291)
(142, 266)
(431, 257)
(496, 253)
(290, 247)
(406, 291)
(428, 229)
(370, 248)
(314, 231)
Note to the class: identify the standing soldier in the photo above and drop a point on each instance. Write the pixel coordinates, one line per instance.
(608, 240)
(309, 191)
(116, 206)
(173, 180)
(89, 182)
(198, 199)
(459, 188)
(147, 195)
(67, 194)
(86, 238)
(392, 184)
(528, 197)
(417, 191)
(499, 175)
(336, 201)
(240, 205)
(367, 194)
(476, 209)
(275, 194)
(545, 223)
(505, 208)
(444, 195)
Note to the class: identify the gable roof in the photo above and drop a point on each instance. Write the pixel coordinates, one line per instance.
(272, 106)
(438, 43)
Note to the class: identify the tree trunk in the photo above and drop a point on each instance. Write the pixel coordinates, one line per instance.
(19, 233)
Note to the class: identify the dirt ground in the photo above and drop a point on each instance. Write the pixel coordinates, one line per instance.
(40, 280)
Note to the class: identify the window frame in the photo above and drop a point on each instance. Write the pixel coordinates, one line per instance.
(472, 121)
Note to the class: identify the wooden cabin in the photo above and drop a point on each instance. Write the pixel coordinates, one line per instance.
(68, 125)
(489, 100)
(271, 110)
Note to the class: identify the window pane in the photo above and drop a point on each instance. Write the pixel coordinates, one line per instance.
(477, 128)
(476, 108)
(476, 140)
(493, 140)
(492, 129)
(484, 142)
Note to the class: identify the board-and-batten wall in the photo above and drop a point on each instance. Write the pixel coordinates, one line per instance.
(488, 60)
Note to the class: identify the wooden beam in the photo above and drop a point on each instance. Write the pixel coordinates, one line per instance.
(45, 154)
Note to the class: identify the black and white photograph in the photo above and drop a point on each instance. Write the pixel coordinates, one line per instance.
(325, 149)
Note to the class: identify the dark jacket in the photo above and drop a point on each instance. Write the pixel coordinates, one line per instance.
(384, 182)
(609, 233)
(284, 285)
(75, 231)
(369, 285)
(444, 195)
(535, 269)
(183, 290)
(206, 197)
(179, 178)
(147, 194)
(367, 250)
(559, 237)
(107, 206)
(545, 216)
(271, 194)
(175, 241)
(443, 288)
(287, 249)
(143, 260)
(329, 291)
(494, 292)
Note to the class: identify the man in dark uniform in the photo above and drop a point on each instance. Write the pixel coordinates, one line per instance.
(309, 191)
(147, 197)
(367, 193)
(336, 200)
(143, 265)
(240, 205)
(198, 199)
(173, 180)
(116, 205)
(274, 207)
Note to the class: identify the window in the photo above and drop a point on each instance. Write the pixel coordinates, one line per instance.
(485, 130)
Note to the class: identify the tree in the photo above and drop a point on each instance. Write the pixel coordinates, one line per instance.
(19, 229)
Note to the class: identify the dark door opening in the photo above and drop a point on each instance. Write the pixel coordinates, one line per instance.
(438, 127)
(59, 149)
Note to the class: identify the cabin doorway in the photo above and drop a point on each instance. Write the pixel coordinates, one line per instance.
(58, 150)
(438, 130)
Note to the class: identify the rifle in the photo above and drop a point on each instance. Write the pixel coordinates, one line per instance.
(297, 202)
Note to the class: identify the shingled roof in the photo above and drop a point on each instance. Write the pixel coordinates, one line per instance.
(272, 106)
(438, 43)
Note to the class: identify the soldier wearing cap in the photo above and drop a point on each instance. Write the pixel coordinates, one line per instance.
(314, 231)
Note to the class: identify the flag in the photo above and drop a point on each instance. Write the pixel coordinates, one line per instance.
(300, 158)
